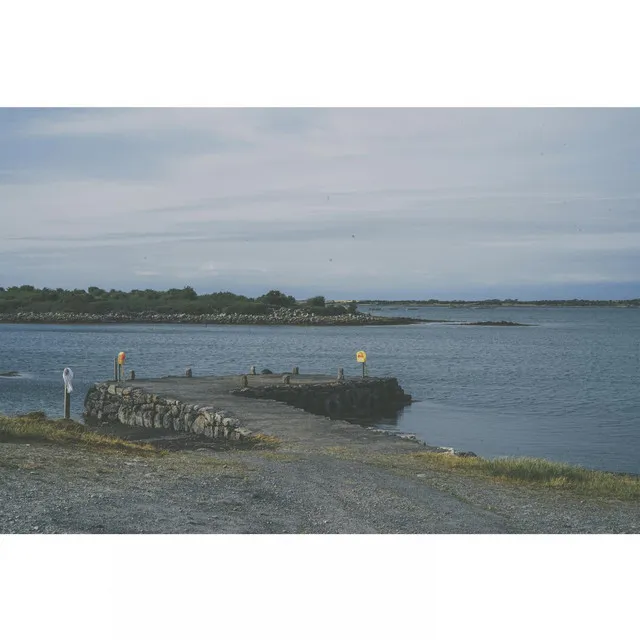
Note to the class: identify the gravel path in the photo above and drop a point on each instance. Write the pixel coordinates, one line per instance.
(46, 488)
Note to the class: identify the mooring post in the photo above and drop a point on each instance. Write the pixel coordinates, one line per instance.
(252, 371)
(115, 368)
(132, 375)
(188, 373)
(340, 373)
(296, 371)
(67, 404)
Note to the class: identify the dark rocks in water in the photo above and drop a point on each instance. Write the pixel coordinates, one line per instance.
(266, 372)
(10, 374)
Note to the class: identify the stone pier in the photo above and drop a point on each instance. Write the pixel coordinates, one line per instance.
(237, 407)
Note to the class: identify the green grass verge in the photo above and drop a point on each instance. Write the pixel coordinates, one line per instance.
(36, 427)
(521, 471)
(536, 471)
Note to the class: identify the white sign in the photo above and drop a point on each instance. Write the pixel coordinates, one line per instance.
(67, 376)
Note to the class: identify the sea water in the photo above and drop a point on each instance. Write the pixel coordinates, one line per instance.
(565, 388)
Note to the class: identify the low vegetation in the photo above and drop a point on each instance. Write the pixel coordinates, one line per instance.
(534, 471)
(95, 300)
(263, 441)
(36, 427)
(519, 471)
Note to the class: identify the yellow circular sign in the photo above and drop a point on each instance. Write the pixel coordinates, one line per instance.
(121, 357)
(361, 356)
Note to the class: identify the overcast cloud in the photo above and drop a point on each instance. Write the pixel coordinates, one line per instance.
(389, 203)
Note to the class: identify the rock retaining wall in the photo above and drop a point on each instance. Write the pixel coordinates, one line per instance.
(365, 398)
(136, 408)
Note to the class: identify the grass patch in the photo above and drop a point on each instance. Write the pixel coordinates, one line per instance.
(520, 471)
(263, 441)
(531, 471)
(187, 462)
(36, 427)
(280, 456)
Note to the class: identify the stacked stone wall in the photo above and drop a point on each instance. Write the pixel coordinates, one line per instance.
(134, 407)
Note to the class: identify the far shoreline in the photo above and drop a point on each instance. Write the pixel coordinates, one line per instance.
(483, 305)
(359, 320)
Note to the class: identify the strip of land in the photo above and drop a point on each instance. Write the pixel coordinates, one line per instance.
(296, 318)
(489, 304)
(280, 317)
(27, 304)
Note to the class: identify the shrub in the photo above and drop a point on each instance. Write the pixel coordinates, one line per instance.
(316, 301)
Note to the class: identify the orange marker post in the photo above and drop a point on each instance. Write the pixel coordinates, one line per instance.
(121, 358)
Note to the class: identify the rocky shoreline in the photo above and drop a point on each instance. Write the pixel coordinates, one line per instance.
(299, 317)
(278, 317)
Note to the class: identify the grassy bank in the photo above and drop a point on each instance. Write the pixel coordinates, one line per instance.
(518, 471)
(535, 471)
(36, 427)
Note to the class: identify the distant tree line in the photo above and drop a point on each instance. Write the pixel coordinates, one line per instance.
(508, 302)
(100, 301)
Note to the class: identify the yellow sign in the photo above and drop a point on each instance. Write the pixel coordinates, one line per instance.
(361, 356)
(121, 357)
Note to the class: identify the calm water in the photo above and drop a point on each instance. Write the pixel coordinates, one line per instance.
(566, 389)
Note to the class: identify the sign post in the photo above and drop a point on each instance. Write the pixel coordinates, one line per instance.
(67, 376)
(361, 356)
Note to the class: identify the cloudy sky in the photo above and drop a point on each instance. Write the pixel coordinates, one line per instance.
(381, 203)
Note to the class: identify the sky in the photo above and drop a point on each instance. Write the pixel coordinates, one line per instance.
(348, 203)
